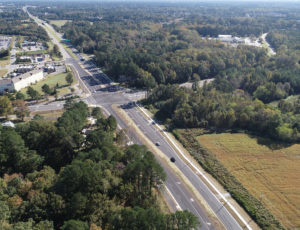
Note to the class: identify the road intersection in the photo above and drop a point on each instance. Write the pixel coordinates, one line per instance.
(101, 91)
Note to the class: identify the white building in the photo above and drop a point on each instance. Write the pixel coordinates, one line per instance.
(225, 38)
(8, 124)
(26, 79)
(230, 39)
(25, 58)
(24, 68)
(21, 81)
(238, 40)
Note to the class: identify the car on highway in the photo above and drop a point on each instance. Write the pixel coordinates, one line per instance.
(157, 144)
(172, 159)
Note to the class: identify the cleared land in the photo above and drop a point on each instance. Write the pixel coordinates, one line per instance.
(5, 61)
(268, 171)
(59, 23)
(3, 72)
(52, 80)
(49, 115)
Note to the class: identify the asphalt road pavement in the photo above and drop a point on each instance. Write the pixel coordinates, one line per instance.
(101, 94)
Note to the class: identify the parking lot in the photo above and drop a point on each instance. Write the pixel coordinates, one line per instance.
(4, 42)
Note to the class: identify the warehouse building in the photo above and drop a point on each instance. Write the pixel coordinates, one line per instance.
(22, 81)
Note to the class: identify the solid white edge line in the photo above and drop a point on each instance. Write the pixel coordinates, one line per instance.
(196, 168)
(173, 198)
(207, 180)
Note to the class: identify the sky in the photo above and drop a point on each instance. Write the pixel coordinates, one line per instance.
(174, 1)
(181, 1)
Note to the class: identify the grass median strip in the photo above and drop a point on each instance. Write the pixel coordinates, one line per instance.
(51, 31)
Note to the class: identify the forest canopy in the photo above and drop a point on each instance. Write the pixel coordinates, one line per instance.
(156, 46)
(53, 177)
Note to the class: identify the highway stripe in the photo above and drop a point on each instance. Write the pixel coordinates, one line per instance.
(198, 170)
(173, 198)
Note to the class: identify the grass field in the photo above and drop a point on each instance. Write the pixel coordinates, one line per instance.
(53, 114)
(52, 80)
(5, 61)
(3, 72)
(54, 57)
(59, 23)
(268, 172)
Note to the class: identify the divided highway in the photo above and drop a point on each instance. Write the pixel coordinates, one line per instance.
(101, 92)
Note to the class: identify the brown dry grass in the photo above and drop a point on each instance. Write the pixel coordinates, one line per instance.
(3, 72)
(51, 114)
(4, 61)
(271, 175)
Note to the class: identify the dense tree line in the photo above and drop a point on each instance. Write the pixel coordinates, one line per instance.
(146, 50)
(211, 109)
(161, 59)
(4, 53)
(155, 44)
(14, 105)
(13, 21)
(54, 177)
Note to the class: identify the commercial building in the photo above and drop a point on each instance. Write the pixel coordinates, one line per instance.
(225, 38)
(230, 39)
(26, 79)
(24, 68)
(22, 81)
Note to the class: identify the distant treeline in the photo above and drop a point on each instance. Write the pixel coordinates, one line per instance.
(14, 21)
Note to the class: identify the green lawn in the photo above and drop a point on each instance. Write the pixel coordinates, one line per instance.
(59, 23)
(52, 80)
(54, 57)
(11, 45)
(37, 52)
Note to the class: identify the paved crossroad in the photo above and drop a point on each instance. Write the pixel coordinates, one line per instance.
(102, 92)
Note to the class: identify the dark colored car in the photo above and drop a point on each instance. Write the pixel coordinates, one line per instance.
(172, 159)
